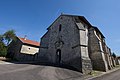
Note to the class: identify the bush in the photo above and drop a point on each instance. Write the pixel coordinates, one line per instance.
(3, 50)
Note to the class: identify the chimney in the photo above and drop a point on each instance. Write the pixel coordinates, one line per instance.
(25, 37)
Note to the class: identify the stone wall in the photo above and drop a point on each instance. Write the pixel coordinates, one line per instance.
(65, 36)
(96, 53)
(73, 41)
(14, 49)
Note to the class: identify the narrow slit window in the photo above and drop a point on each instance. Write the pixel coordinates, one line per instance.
(60, 26)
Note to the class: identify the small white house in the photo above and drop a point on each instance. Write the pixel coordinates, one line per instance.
(23, 49)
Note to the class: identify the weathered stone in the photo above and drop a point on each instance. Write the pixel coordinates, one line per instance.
(96, 52)
(73, 41)
(66, 42)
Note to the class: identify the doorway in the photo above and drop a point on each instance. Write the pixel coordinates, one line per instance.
(58, 56)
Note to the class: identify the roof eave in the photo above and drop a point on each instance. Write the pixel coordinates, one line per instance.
(99, 31)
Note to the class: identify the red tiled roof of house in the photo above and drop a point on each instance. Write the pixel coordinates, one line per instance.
(24, 40)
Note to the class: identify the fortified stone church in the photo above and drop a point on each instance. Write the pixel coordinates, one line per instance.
(66, 42)
(73, 41)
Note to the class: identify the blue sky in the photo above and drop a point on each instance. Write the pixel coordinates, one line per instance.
(32, 17)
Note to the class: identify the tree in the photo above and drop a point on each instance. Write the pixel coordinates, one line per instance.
(114, 55)
(5, 40)
(3, 49)
(9, 36)
(1, 38)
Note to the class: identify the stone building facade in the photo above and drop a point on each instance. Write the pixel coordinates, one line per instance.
(100, 54)
(96, 50)
(66, 42)
(71, 40)
(108, 57)
(23, 49)
(118, 57)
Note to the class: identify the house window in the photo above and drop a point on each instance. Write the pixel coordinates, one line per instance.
(60, 26)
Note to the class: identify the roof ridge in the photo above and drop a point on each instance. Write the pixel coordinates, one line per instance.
(28, 41)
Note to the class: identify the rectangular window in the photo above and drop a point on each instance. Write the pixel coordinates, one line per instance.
(60, 27)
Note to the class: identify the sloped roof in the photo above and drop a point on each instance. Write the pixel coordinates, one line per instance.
(27, 41)
(98, 31)
(80, 17)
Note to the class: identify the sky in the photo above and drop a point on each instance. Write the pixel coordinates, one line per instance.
(32, 17)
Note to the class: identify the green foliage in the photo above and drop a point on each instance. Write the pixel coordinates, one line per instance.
(3, 49)
(114, 55)
(5, 40)
(9, 36)
(1, 38)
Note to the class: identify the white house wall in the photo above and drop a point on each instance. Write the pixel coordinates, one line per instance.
(29, 50)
